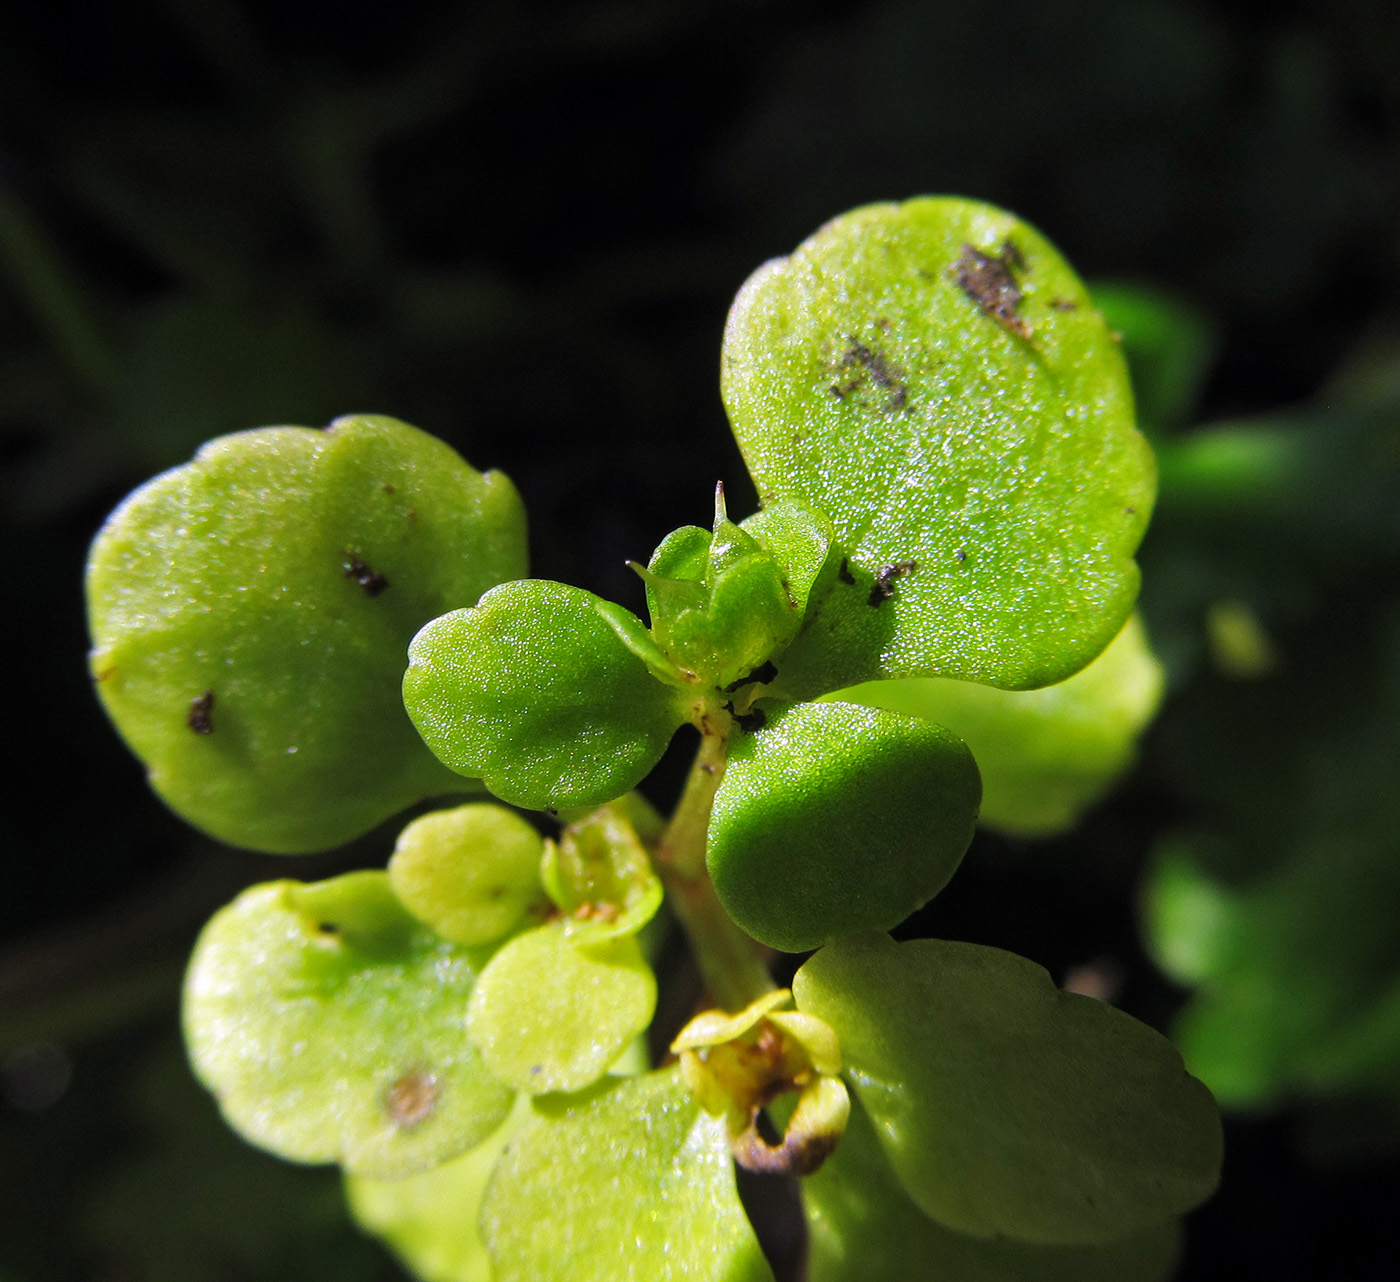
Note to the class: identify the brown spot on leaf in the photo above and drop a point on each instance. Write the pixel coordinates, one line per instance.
(860, 365)
(883, 587)
(199, 717)
(1064, 304)
(370, 580)
(990, 283)
(389, 487)
(844, 573)
(411, 1099)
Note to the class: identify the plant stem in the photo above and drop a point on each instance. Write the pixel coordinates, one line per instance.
(728, 959)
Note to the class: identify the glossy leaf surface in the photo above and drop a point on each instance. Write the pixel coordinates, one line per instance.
(1008, 1107)
(935, 379)
(1045, 755)
(863, 1228)
(330, 1025)
(249, 614)
(834, 818)
(430, 1219)
(557, 1006)
(634, 1181)
(534, 691)
(471, 873)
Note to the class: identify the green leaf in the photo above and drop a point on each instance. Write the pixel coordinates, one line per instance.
(430, 1219)
(472, 874)
(1045, 755)
(600, 874)
(834, 818)
(935, 379)
(329, 1024)
(534, 691)
(862, 1227)
(556, 1007)
(250, 611)
(1005, 1106)
(634, 1181)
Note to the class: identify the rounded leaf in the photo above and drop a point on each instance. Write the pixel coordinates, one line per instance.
(535, 692)
(472, 873)
(833, 818)
(554, 1010)
(249, 615)
(935, 379)
(430, 1220)
(1009, 1108)
(1045, 755)
(330, 1025)
(634, 1181)
(862, 1227)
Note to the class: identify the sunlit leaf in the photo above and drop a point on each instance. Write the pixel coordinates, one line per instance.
(250, 611)
(557, 1006)
(430, 1219)
(330, 1025)
(634, 1181)
(534, 691)
(834, 818)
(471, 873)
(935, 379)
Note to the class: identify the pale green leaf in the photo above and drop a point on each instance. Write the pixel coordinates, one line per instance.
(329, 1023)
(633, 1182)
(250, 611)
(1005, 1106)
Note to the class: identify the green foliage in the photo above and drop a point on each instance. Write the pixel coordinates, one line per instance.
(495, 690)
(249, 613)
(1045, 755)
(328, 1022)
(940, 429)
(833, 818)
(935, 379)
(472, 874)
(1008, 1108)
(670, 1200)
(864, 1228)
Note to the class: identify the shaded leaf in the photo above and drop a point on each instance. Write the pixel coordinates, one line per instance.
(1005, 1106)
(1045, 755)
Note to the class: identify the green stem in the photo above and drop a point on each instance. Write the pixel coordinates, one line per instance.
(728, 959)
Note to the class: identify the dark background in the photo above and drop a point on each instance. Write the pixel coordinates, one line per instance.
(518, 225)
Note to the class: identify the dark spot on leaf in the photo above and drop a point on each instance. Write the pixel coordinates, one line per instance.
(761, 675)
(328, 927)
(748, 722)
(389, 487)
(960, 554)
(199, 718)
(844, 573)
(104, 674)
(883, 587)
(1064, 304)
(370, 580)
(411, 1099)
(1130, 511)
(990, 284)
(859, 364)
